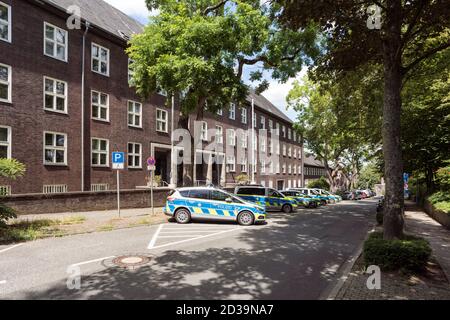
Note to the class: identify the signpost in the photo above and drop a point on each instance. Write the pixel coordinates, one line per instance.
(151, 166)
(118, 159)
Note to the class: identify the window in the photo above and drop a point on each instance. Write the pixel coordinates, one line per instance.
(295, 153)
(5, 191)
(219, 134)
(244, 138)
(100, 152)
(299, 170)
(278, 168)
(204, 131)
(255, 121)
(290, 152)
(244, 115)
(5, 22)
(277, 129)
(263, 145)
(233, 111)
(220, 112)
(244, 165)
(55, 42)
(270, 124)
(263, 166)
(290, 169)
(5, 142)
(270, 146)
(295, 170)
(232, 138)
(134, 155)
(219, 196)
(278, 148)
(54, 188)
(97, 187)
(295, 136)
(284, 150)
(289, 134)
(263, 123)
(271, 168)
(231, 163)
(100, 59)
(100, 106)
(5, 83)
(55, 148)
(55, 95)
(284, 168)
(130, 72)
(199, 194)
(161, 120)
(134, 114)
(284, 131)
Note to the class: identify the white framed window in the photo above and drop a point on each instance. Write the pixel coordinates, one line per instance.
(290, 169)
(289, 134)
(100, 106)
(55, 95)
(231, 163)
(263, 145)
(278, 168)
(255, 121)
(55, 148)
(130, 72)
(270, 146)
(135, 114)
(100, 152)
(278, 148)
(295, 136)
(97, 187)
(284, 150)
(290, 152)
(204, 131)
(100, 59)
(162, 119)
(295, 153)
(219, 134)
(295, 170)
(244, 165)
(244, 141)
(272, 168)
(220, 112)
(244, 115)
(55, 42)
(284, 168)
(299, 169)
(263, 166)
(5, 83)
(233, 111)
(283, 130)
(270, 124)
(134, 155)
(5, 191)
(277, 129)
(5, 142)
(263, 122)
(5, 22)
(231, 137)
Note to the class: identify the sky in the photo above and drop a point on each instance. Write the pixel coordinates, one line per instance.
(276, 93)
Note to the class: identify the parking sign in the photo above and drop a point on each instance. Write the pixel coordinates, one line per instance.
(118, 160)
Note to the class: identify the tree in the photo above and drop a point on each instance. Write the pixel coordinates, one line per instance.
(319, 184)
(197, 50)
(410, 33)
(370, 176)
(10, 169)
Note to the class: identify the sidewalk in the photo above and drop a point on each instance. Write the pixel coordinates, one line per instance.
(434, 285)
(32, 227)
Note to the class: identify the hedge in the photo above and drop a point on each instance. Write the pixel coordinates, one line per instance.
(409, 254)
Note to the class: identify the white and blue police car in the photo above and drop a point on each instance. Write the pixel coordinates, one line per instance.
(186, 204)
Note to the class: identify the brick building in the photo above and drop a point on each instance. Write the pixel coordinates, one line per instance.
(313, 169)
(66, 104)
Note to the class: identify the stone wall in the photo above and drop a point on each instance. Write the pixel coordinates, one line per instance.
(82, 202)
(440, 216)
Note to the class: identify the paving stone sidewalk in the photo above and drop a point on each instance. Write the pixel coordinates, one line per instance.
(395, 286)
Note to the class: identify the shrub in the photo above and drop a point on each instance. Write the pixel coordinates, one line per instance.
(242, 179)
(321, 183)
(441, 201)
(410, 254)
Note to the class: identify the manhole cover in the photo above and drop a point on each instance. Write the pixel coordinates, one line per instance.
(131, 262)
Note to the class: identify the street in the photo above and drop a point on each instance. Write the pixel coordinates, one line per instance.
(295, 256)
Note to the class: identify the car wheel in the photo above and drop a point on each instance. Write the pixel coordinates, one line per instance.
(324, 203)
(182, 216)
(246, 219)
(287, 208)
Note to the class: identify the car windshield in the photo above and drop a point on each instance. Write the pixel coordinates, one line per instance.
(315, 192)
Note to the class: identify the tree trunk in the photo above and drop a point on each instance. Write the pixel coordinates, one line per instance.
(394, 200)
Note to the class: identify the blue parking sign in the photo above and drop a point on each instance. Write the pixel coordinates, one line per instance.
(118, 160)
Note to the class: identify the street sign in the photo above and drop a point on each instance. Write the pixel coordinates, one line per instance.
(151, 168)
(151, 162)
(118, 160)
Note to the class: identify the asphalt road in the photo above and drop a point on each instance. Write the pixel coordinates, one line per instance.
(295, 256)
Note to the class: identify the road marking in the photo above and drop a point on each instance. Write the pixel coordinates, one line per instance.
(155, 237)
(10, 248)
(190, 231)
(188, 240)
(91, 261)
(186, 236)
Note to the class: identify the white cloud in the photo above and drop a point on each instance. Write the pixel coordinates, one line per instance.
(134, 8)
(278, 92)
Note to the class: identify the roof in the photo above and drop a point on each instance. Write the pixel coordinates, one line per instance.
(263, 103)
(102, 15)
(312, 161)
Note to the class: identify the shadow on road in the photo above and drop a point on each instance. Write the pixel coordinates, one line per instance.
(294, 257)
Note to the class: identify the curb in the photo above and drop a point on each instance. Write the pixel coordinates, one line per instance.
(331, 292)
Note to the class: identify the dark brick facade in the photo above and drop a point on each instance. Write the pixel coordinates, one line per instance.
(28, 119)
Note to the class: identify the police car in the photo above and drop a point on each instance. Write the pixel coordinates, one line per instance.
(186, 204)
(268, 198)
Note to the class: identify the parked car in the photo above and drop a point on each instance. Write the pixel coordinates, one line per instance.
(332, 197)
(314, 194)
(268, 198)
(303, 200)
(188, 204)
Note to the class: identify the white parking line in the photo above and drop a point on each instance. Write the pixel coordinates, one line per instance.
(91, 261)
(187, 240)
(155, 237)
(10, 248)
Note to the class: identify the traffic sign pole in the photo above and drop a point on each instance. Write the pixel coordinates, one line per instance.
(151, 162)
(118, 192)
(118, 164)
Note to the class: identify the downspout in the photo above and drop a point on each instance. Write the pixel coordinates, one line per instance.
(83, 63)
